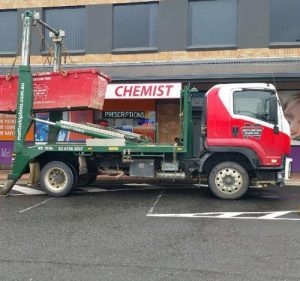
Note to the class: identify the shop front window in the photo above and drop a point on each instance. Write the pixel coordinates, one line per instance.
(290, 101)
(139, 122)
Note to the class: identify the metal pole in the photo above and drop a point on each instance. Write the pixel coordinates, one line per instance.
(57, 37)
(55, 31)
(57, 54)
(26, 42)
(24, 105)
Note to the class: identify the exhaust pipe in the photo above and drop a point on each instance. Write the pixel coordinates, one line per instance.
(171, 176)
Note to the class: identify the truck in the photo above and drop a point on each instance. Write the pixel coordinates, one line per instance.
(244, 140)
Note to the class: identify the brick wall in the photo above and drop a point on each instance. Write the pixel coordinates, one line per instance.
(15, 4)
(165, 56)
(159, 56)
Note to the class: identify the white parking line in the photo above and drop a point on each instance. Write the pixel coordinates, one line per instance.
(24, 190)
(36, 205)
(27, 190)
(234, 215)
(155, 203)
(228, 215)
(274, 215)
(90, 189)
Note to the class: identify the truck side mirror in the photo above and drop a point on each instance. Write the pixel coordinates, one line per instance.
(273, 116)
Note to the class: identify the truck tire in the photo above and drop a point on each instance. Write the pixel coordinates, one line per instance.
(57, 178)
(75, 174)
(228, 180)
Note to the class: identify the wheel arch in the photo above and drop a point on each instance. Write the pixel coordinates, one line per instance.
(50, 156)
(243, 156)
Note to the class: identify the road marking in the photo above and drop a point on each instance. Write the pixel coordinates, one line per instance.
(155, 203)
(234, 215)
(137, 184)
(96, 189)
(27, 190)
(36, 205)
(274, 215)
(228, 215)
(90, 189)
(24, 190)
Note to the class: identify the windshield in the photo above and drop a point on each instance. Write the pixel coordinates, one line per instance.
(253, 103)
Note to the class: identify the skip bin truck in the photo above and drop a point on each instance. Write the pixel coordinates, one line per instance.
(244, 136)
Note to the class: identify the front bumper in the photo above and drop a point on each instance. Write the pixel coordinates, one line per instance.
(285, 174)
(277, 176)
(288, 168)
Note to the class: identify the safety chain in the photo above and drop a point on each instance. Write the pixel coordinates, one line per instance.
(8, 76)
(50, 53)
(66, 54)
(49, 48)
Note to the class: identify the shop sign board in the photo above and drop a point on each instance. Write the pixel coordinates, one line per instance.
(144, 91)
(124, 114)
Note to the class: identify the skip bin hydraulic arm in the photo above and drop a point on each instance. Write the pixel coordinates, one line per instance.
(25, 99)
(24, 155)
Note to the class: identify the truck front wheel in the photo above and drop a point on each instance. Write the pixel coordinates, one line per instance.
(228, 180)
(57, 179)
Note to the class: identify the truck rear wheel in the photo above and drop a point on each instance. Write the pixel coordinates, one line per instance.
(228, 180)
(75, 174)
(57, 178)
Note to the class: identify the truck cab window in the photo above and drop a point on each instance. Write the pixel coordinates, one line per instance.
(252, 103)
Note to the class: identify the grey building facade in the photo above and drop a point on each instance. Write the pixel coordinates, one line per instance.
(202, 42)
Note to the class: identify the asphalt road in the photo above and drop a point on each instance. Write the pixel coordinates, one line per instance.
(130, 233)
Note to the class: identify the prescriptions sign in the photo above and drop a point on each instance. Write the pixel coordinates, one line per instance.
(144, 91)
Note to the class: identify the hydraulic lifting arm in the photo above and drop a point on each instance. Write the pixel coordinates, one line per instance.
(21, 155)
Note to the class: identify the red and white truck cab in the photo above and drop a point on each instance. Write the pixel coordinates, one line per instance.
(245, 122)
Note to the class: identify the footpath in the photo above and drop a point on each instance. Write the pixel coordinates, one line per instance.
(294, 181)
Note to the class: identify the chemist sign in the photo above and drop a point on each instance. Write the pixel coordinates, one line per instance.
(144, 91)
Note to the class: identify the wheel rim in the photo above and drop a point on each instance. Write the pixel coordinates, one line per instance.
(56, 179)
(229, 180)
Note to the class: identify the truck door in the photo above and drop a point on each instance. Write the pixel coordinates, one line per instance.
(252, 127)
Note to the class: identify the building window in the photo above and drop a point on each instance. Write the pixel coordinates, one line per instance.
(135, 26)
(212, 23)
(72, 21)
(9, 32)
(285, 21)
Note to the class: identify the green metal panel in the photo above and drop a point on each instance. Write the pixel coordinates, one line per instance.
(187, 123)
